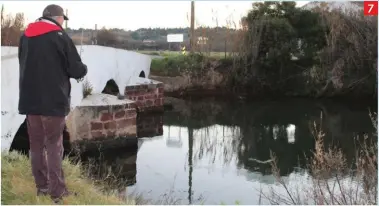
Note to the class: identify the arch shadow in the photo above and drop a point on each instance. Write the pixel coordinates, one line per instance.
(111, 88)
(142, 74)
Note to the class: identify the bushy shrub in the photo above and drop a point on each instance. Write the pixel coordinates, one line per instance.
(288, 50)
(176, 65)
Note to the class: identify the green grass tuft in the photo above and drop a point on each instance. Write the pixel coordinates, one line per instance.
(179, 64)
(18, 185)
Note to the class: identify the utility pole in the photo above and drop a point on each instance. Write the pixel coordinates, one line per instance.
(65, 23)
(192, 39)
(95, 36)
(190, 162)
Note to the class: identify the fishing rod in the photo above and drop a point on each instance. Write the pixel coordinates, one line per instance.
(81, 44)
(80, 51)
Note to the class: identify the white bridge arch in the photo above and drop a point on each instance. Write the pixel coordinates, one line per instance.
(104, 63)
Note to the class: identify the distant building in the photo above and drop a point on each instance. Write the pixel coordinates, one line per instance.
(149, 44)
(201, 40)
(148, 41)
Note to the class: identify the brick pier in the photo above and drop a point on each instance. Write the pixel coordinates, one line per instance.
(103, 120)
(148, 97)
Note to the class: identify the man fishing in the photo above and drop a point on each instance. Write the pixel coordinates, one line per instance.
(48, 59)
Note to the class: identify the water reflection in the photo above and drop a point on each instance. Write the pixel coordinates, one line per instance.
(174, 141)
(117, 167)
(208, 152)
(149, 125)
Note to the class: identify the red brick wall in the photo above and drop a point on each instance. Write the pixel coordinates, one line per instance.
(114, 123)
(147, 97)
(102, 122)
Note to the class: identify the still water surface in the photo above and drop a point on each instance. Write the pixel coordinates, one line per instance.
(205, 152)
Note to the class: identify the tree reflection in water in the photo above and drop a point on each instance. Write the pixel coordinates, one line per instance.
(235, 133)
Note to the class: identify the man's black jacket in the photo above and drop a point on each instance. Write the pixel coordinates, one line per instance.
(48, 59)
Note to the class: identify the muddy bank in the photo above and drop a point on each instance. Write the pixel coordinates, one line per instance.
(183, 87)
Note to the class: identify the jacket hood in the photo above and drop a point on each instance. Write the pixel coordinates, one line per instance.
(41, 27)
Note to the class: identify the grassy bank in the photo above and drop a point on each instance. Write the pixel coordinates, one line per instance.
(193, 75)
(178, 53)
(180, 65)
(18, 184)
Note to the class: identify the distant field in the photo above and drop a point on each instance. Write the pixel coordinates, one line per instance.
(175, 53)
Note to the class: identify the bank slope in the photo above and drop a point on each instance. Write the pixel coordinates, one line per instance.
(18, 186)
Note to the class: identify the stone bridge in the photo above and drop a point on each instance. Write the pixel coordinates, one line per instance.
(103, 107)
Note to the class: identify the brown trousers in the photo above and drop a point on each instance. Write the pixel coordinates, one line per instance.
(45, 137)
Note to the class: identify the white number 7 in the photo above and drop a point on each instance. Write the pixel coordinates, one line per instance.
(371, 6)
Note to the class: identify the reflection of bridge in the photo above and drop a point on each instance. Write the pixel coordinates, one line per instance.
(92, 116)
(174, 140)
(119, 164)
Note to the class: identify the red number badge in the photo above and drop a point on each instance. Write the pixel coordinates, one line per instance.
(370, 8)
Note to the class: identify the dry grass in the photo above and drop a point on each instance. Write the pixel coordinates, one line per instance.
(87, 88)
(18, 185)
(333, 181)
(349, 60)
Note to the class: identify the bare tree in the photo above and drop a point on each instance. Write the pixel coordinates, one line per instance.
(11, 28)
(106, 37)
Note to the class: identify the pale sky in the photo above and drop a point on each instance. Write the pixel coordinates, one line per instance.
(131, 15)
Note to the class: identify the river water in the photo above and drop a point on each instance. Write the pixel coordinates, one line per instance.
(206, 152)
